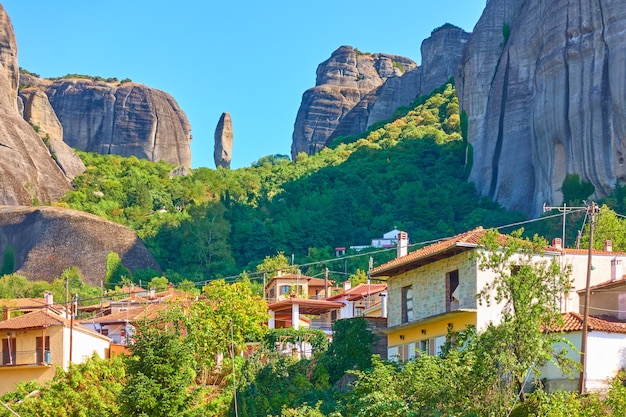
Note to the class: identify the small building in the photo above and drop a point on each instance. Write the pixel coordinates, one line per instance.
(34, 344)
(606, 347)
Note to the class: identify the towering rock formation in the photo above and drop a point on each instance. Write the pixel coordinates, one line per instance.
(127, 119)
(544, 86)
(223, 150)
(342, 81)
(47, 240)
(441, 58)
(27, 170)
(37, 111)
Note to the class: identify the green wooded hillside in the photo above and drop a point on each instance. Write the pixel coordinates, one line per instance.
(407, 173)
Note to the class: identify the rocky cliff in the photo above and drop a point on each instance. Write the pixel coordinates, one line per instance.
(441, 58)
(544, 87)
(342, 81)
(27, 170)
(38, 112)
(48, 240)
(223, 149)
(127, 119)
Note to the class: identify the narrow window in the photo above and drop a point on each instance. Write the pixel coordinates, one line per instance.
(452, 290)
(41, 349)
(407, 304)
(8, 351)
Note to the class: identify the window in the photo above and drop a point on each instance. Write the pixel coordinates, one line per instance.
(284, 289)
(407, 304)
(8, 351)
(41, 349)
(452, 290)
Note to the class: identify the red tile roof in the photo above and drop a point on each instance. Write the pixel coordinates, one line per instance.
(359, 291)
(145, 312)
(573, 322)
(607, 285)
(39, 320)
(455, 244)
(441, 249)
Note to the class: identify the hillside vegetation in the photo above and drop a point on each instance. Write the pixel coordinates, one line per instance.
(407, 173)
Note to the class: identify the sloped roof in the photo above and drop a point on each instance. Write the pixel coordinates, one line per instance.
(28, 304)
(145, 312)
(295, 277)
(42, 319)
(574, 322)
(359, 291)
(618, 283)
(444, 248)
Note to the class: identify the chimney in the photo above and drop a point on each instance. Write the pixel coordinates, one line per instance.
(617, 269)
(48, 299)
(383, 297)
(403, 244)
(170, 288)
(152, 293)
(347, 285)
(6, 313)
(608, 245)
(132, 297)
(557, 243)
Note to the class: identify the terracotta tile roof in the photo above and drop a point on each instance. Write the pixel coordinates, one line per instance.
(573, 322)
(145, 312)
(27, 304)
(607, 285)
(320, 282)
(359, 291)
(438, 250)
(42, 319)
(295, 277)
(455, 244)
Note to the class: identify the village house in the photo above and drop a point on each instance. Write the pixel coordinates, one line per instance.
(34, 344)
(434, 289)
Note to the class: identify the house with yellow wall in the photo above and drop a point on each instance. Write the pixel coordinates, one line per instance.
(434, 289)
(35, 344)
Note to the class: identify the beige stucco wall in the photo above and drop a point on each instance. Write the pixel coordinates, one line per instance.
(26, 369)
(600, 273)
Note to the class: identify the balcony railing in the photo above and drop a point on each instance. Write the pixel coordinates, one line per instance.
(26, 357)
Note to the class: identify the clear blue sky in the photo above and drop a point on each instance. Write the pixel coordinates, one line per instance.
(249, 58)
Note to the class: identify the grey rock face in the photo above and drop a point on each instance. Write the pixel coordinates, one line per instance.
(27, 170)
(441, 58)
(127, 119)
(547, 102)
(38, 112)
(48, 240)
(342, 81)
(223, 150)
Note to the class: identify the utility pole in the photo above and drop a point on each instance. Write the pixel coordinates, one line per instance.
(592, 209)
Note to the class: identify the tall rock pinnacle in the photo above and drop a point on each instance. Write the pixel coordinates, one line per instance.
(222, 152)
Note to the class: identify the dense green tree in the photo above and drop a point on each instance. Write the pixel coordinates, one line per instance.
(526, 286)
(608, 226)
(87, 389)
(160, 370)
(351, 348)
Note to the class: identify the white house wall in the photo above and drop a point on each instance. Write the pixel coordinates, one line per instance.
(606, 355)
(84, 346)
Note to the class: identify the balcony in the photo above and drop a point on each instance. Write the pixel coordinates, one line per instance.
(30, 358)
